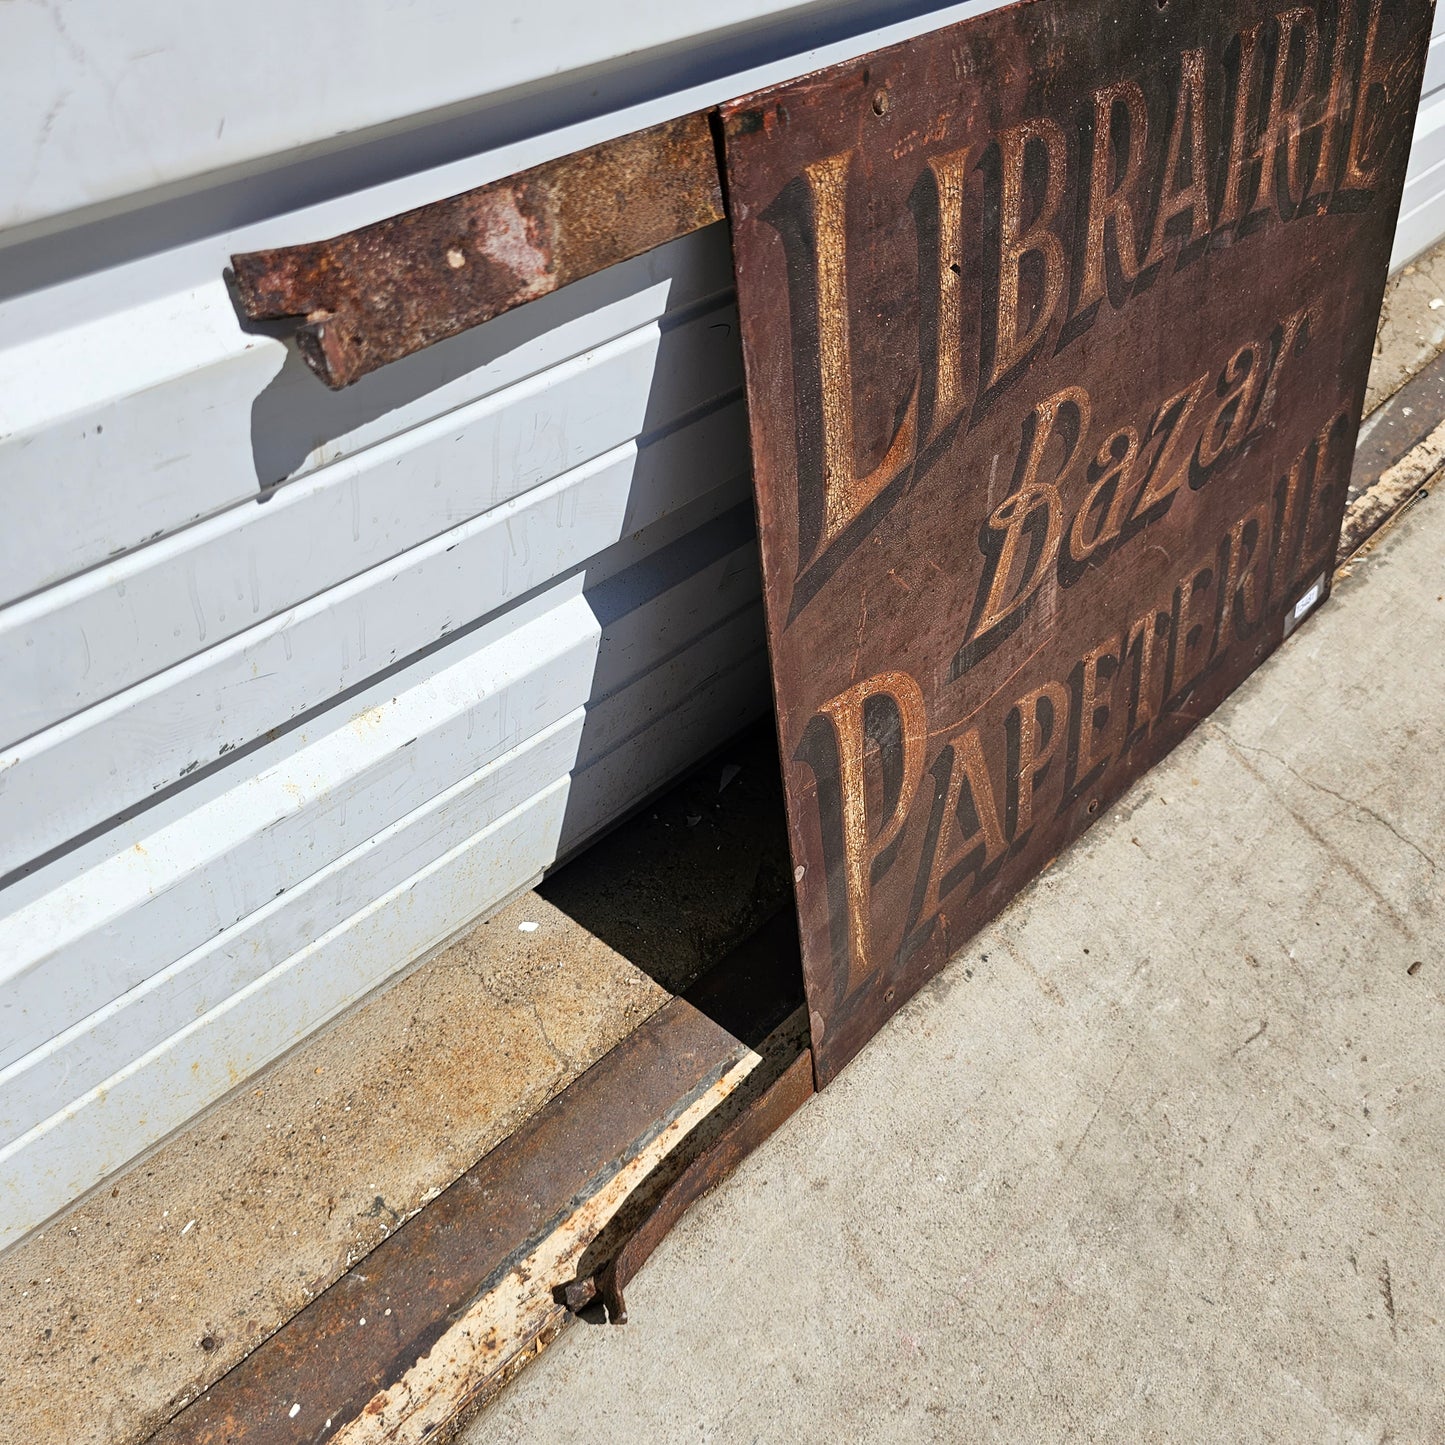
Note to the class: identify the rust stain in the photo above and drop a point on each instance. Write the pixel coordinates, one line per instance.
(385, 291)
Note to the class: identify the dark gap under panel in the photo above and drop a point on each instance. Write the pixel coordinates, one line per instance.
(693, 874)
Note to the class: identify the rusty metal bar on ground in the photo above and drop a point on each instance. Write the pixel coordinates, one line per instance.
(378, 294)
(761, 1115)
(1401, 450)
(435, 1320)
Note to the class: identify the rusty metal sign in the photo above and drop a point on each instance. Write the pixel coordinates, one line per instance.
(1056, 326)
(381, 293)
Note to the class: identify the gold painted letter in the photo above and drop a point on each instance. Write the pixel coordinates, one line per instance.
(1017, 241)
(862, 844)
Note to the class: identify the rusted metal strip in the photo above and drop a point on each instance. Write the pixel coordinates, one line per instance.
(375, 295)
(1398, 452)
(760, 1113)
(432, 1322)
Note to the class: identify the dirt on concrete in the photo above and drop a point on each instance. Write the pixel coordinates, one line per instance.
(694, 874)
(131, 1303)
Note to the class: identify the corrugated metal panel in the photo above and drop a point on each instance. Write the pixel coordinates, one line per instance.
(316, 643)
(1422, 212)
(91, 927)
(300, 682)
(1435, 65)
(140, 1065)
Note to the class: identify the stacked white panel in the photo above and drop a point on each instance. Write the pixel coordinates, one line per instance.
(1422, 212)
(296, 684)
(295, 695)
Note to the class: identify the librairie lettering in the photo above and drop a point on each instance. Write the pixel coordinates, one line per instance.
(1291, 122)
(1301, 120)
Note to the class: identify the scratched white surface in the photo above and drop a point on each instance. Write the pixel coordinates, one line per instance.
(107, 101)
(133, 425)
(119, 98)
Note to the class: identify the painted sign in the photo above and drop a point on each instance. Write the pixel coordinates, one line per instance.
(1056, 326)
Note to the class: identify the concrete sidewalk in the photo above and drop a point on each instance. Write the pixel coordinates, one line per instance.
(1160, 1157)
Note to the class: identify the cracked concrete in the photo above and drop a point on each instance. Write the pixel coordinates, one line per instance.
(1160, 1157)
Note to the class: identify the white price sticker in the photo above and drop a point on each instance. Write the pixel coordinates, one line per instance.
(1309, 599)
(1305, 605)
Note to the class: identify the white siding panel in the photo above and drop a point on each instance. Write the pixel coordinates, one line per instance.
(136, 423)
(74, 645)
(73, 1059)
(651, 697)
(71, 1151)
(159, 1003)
(693, 583)
(90, 466)
(1435, 63)
(1422, 212)
(95, 927)
(100, 121)
(101, 101)
(719, 703)
(89, 767)
(184, 880)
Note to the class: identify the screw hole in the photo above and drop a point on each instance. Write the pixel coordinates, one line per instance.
(1093, 805)
(880, 103)
(888, 996)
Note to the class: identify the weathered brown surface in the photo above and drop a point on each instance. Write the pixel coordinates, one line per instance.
(762, 1108)
(1057, 326)
(765, 1116)
(399, 1344)
(375, 295)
